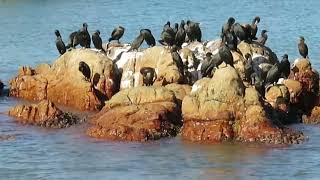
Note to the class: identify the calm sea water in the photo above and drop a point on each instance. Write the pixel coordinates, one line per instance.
(27, 38)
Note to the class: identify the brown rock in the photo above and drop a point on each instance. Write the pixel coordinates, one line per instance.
(63, 83)
(179, 90)
(221, 109)
(138, 114)
(295, 90)
(314, 117)
(309, 80)
(44, 114)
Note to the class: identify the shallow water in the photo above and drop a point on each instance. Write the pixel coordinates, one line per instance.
(27, 38)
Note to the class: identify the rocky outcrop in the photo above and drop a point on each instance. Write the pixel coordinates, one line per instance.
(309, 79)
(44, 114)
(63, 83)
(179, 90)
(138, 114)
(222, 109)
(256, 49)
(156, 57)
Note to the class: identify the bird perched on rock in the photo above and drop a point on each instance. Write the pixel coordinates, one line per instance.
(177, 59)
(180, 35)
(273, 74)
(263, 38)
(254, 27)
(59, 43)
(137, 42)
(230, 39)
(226, 55)
(175, 29)
(208, 65)
(117, 33)
(73, 42)
(85, 70)
(227, 27)
(303, 48)
(258, 83)
(97, 41)
(193, 31)
(248, 68)
(86, 41)
(167, 36)
(149, 75)
(239, 31)
(285, 66)
(148, 37)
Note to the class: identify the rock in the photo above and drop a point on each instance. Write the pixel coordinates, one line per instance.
(256, 49)
(274, 93)
(138, 114)
(156, 57)
(179, 90)
(63, 83)
(295, 90)
(222, 109)
(309, 79)
(239, 63)
(44, 114)
(314, 117)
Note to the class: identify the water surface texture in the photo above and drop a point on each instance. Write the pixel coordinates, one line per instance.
(27, 38)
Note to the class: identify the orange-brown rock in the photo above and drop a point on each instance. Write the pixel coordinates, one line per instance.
(45, 114)
(63, 83)
(295, 90)
(309, 80)
(221, 108)
(279, 97)
(179, 90)
(138, 114)
(314, 117)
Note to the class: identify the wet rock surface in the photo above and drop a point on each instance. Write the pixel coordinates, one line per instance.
(44, 114)
(138, 114)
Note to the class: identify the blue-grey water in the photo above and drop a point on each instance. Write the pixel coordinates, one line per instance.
(27, 38)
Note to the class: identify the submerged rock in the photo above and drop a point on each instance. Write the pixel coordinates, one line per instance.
(63, 83)
(138, 114)
(44, 114)
(222, 109)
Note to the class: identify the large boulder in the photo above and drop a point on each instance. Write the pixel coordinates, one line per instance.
(63, 83)
(309, 79)
(44, 114)
(179, 90)
(222, 109)
(156, 57)
(256, 49)
(138, 114)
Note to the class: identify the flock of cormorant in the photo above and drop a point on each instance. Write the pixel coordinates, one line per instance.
(232, 33)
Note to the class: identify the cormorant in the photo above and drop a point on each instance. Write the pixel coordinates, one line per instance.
(117, 33)
(148, 37)
(59, 43)
(303, 48)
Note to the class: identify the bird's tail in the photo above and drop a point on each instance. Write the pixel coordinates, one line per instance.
(110, 39)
